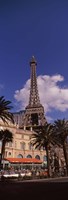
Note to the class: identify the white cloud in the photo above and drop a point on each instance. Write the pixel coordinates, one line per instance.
(22, 95)
(52, 96)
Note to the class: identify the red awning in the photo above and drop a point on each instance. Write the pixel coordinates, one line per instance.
(24, 160)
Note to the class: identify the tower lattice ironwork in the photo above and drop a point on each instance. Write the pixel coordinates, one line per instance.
(34, 112)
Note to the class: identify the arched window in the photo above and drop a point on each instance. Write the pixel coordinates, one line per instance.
(20, 156)
(29, 156)
(37, 157)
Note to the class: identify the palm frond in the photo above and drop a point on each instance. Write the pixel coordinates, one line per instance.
(5, 108)
(43, 136)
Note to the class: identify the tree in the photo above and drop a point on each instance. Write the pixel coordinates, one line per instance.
(43, 137)
(5, 136)
(5, 108)
(61, 133)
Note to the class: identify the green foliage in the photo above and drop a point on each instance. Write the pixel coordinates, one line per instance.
(43, 136)
(5, 108)
(55, 134)
(5, 136)
(61, 131)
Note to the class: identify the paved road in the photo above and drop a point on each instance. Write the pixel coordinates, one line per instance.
(51, 189)
(60, 179)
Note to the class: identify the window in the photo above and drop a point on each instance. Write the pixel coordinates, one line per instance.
(15, 144)
(22, 136)
(30, 146)
(19, 156)
(9, 153)
(44, 158)
(29, 156)
(6, 143)
(10, 144)
(37, 157)
(22, 145)
(5, 153)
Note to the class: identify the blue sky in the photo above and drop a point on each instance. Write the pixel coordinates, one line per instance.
(38, 28)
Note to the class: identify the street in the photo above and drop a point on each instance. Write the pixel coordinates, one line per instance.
(35, 189)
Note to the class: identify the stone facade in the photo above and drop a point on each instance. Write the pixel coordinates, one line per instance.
(21, 146)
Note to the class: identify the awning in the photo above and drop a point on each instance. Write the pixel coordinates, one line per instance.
(24, 160)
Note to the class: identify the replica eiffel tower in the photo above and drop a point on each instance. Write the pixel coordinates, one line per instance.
(34, 112)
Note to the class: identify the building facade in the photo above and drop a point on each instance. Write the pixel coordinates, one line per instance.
(21, 147)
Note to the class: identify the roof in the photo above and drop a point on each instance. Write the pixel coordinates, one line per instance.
(24, 160)
(33, 60)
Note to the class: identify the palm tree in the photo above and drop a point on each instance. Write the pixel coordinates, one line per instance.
(5, 108)
(5, 136)
(61, 133)
(43, 137)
